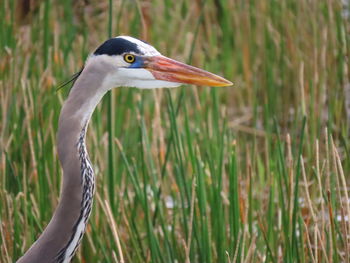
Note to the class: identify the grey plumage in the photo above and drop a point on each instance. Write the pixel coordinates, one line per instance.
(88, 185)
(122, 61)
(73, 120)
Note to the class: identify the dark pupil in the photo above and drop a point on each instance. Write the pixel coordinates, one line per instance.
(129, 58)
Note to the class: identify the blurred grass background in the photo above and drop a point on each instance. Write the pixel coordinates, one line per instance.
(257, 172)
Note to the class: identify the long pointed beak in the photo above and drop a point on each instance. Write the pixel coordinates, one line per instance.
(163, 68)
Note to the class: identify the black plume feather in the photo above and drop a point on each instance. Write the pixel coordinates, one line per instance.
(72, 79)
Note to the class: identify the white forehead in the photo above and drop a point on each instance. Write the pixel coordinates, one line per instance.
(145, 48)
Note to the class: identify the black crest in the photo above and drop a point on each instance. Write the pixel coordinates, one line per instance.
(117, 46)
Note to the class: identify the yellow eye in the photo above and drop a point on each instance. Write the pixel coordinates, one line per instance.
(129, 58)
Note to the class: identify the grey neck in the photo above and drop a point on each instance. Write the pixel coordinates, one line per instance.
(62, 236)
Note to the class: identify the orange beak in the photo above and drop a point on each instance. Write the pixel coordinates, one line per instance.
(163, 68)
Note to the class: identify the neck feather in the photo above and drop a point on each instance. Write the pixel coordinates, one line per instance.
(62, 236)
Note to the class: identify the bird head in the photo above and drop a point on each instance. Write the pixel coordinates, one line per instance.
(134, 63)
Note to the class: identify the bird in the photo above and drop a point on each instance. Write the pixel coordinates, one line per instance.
(121, 61)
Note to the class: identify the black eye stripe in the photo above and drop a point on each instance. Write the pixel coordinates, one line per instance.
(117, 46)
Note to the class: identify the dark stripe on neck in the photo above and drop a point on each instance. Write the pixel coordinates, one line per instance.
(88, 186)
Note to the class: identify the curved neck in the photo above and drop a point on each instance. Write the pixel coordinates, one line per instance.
(62, 236)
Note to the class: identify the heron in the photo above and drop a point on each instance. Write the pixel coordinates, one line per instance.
(122, 61)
